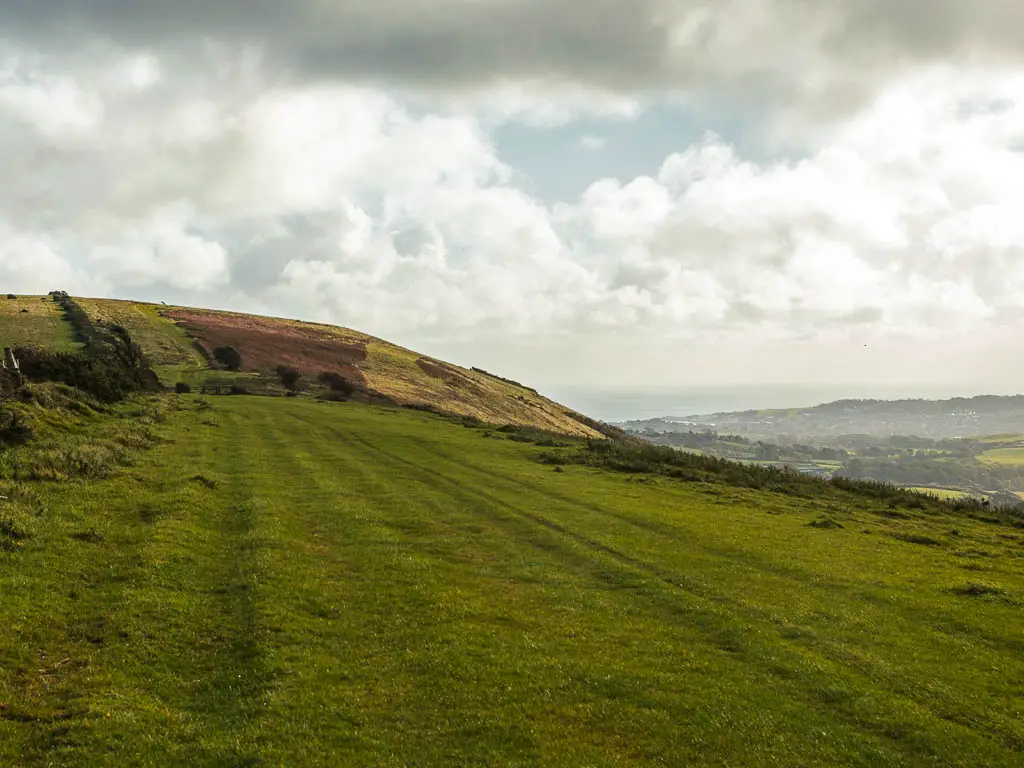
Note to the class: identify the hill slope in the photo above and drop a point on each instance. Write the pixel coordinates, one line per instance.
(286, 582)
(180, 342)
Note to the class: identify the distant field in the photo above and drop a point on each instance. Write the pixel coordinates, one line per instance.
(1010, 456)
(33, 321)
(941, 493)
(284, 582)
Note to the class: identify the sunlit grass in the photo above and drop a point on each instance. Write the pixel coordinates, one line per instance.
(33, 321)
(1004, 456)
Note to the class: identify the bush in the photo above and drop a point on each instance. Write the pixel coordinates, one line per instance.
(102, 378)
(336, 382)
(238, 389)
(288, 376)
(229, 357)
(13, 429)
(11, 296)
(182, 388)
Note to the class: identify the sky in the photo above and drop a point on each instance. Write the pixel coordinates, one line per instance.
(583, 194)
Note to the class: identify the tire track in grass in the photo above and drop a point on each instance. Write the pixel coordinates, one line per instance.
(588, 555)
(943, 704)
(228, 699)
(717, 623)
(310, 581)
(364, 579)
(416, 605)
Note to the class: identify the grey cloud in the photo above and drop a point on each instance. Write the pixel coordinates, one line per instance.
(761, 49)
(446, 43)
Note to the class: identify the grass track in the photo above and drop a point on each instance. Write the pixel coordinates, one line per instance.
(292, 583)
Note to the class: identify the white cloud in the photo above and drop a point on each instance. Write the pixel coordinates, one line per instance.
(593, 143)
(347, 204)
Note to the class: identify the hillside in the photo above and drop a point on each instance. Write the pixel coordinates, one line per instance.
(179, 342)
(270, 581)
(331, 579)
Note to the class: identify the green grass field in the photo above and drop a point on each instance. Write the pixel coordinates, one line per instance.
(941, 493)
(33, 321)
(284, 583)
(1004, 456)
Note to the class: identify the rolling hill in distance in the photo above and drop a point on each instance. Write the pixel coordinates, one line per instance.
(958, 417)
(349, 553)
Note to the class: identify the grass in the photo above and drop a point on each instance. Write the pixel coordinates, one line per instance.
(384, 368)
(284, 582)
(941, 493)
(166, 346)
(34, 321)
(1004, 456)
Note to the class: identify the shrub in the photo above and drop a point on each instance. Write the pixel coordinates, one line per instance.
(13, 429)
(229, 357)
(238, 389)
(182, 388)
(103, 378)
(15, 527)
(288, 376)
(11, 296)
(336, 382)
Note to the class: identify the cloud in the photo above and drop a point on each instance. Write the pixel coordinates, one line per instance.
(593, 143)
(777, 53)
(205, 179)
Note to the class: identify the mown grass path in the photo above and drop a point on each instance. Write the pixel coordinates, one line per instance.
(292, 583)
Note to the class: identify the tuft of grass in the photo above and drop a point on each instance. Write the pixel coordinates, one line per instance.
(918, 538)
(978, 589)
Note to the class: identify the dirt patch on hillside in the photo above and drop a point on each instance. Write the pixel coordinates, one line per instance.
(266, 343)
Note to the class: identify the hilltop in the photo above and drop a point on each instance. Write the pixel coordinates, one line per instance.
(180, 344)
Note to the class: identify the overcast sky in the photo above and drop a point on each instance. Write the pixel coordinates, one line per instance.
(581, 193)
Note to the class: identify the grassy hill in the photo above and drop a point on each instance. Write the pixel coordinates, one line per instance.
(33, 321)
(179, 343)
(269, 581)
(264, 581)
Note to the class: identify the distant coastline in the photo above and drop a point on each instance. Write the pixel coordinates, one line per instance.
(635, 404)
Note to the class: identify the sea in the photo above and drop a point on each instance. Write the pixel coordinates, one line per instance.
(619, 405)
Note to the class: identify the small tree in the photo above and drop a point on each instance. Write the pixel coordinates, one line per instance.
(228, 357)
(289, 377)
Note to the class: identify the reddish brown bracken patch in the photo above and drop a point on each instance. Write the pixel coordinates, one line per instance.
(449, 374)
(265, 343)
